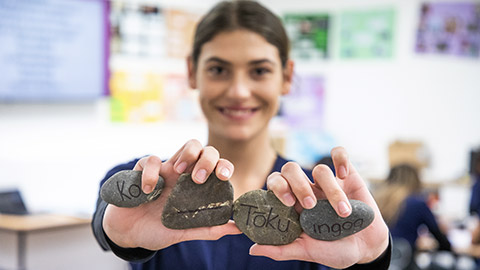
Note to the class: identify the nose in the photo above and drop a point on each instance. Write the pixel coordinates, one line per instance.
(239, 86)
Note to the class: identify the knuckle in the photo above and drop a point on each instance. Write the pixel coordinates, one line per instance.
(290, 166)
(274, 182)
(194, 143)
(212, 150)
(153, 160)
(321, 170)
(339, 152)
(336, 194)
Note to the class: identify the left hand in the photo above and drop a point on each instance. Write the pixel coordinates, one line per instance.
(293, 187)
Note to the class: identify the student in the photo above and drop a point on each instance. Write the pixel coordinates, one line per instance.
(475, 194)
(240, 66)
(405, 209)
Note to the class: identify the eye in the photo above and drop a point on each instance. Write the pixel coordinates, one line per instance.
(217, 70)
(260, 72)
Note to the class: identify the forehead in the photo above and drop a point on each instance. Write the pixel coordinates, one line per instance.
(239, 46)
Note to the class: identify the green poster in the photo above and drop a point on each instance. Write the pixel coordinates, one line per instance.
(308, 34)
(367, 34)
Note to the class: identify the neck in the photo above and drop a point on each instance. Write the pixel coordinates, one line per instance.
(253, 160)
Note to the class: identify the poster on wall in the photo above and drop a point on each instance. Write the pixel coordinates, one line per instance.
(137, 29)
(148, 96)
(449, 28)
(136, 97)
(304, 105)
(180, 28)
(367, 34)
(151, 30)
(56, 51)
(302, 111)
(308, 34)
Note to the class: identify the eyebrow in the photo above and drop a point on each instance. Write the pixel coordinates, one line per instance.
(253, 62)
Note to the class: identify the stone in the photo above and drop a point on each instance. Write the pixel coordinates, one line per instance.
(192, 205)
(123, 189)
(323, 223)
(261, 216)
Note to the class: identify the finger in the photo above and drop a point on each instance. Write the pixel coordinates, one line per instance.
(281, 189)
(211, 233)
(150, 167)
(325, 180)
(205, 164)
(299, 184)
(292, 251)
(340, 161)
(186, 156)
(224, 169)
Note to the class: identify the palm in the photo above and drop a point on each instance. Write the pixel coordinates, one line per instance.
(142, 226)
(340, 253)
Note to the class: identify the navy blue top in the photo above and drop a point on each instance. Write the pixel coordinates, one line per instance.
(475, 198)
(414, 213)
(229, 252)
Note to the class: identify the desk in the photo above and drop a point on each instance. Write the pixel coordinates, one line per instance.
(23, 225)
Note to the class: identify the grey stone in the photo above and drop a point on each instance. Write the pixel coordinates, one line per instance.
(192, 205)
(123, 189)
(261, 216)
(323, 223)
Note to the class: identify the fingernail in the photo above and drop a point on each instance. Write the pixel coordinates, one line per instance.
(225, 172)
(342, 172)
(289, 200)
(201, 175)
(147, 189)
(343, 208)
(181, 167)
(308, 202)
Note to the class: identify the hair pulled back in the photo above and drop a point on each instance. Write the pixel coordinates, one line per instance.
(228, 16)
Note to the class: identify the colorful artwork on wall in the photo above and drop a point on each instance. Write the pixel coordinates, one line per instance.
(308, 34)
(449, 28)
(141, 97)
(304, 105)
(137, 29)
(367, 34)
(302, 111)
(149, 30)
(136, 97)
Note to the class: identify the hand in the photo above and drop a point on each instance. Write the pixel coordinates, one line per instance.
(142, 226)
(293, 187)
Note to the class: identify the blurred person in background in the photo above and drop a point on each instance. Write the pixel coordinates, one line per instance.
(405, 210)
(475, 179)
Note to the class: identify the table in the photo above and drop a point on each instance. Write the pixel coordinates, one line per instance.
(23, 225)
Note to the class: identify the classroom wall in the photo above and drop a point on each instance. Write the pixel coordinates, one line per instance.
(57, 153)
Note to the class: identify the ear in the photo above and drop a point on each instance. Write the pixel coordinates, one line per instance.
(192, 81)
(287, 77)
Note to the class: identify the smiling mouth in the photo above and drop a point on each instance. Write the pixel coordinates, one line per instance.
(238, 113)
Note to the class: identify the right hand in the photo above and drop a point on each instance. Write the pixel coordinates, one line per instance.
(142, 226)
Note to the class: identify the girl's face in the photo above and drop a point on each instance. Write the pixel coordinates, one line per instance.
(240, 78)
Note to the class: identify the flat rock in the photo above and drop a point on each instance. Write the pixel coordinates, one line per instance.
(323, 223)
(261, 216)
(192, 205)
(123, 189)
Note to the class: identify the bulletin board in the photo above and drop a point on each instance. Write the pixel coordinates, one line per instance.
(367, 34)
(449, 29)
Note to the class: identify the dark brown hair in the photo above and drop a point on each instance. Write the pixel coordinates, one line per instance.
(241, 14)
